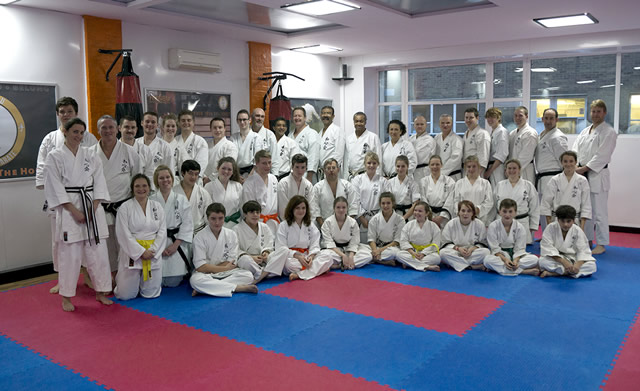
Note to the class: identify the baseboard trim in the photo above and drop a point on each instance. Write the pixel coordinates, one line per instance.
(25, 274)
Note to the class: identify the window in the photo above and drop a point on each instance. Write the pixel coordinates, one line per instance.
(390, 86)
(629, 94)
(445, 83)
(507, 79)
(571, 113)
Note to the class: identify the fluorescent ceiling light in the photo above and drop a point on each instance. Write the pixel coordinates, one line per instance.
(568, 20)
(585, 81)
(317, 49)
(320, 7)
(636, 68)
(552, 88)
(538, 70)
(6, 2)
(610, 85)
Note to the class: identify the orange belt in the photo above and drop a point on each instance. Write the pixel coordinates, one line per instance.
(301, 250)
(266, 218)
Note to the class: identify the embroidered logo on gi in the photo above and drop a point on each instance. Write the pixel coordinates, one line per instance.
(157, 158)
(326, 144)
(200, 203)
(125, 166)
(176, 211)
(525, 195)
(574, 191)
(190, 149)
(446, 146)
(365, 148)
(87, 165)
(155, 213)
(282, 151)
(225, 252)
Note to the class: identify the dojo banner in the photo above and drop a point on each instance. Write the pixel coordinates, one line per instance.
(27, 114)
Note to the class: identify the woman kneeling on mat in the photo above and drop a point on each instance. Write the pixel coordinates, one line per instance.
(464, 239)
(142, 234)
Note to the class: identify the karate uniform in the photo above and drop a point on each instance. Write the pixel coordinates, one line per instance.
(575, 247)
(413, 236)
(499, 151)
(322, 198)
(574, 192)
(229, 197)
(356, 148)
(332, 145)
(255, 189)
(302, 237)
(516, 239)
(390, 152)
(63, 170)
(281, 162)
(594, 151)
(160, 151)
(308, 141)
(369, 190)
(178, 156)
(199, 201)
(224, 148)
(551, 145)
(133, 224)
(522, 146)
(346, 239)
(425, 147)
(177, 213)
(266, 140)
(439, 194)
(382, 232)
(525, 195)
(208, 249)
(246, 149)
(118, 170)
(406, 192)
(287, 188)
(146, 161)
(455, 234)
(194, 148)
(250, 243)
(477, 142)
(450, 151)
(479, 193)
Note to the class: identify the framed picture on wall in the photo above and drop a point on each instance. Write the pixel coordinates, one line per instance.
(205, 106)
(312, 106)
(27, 114)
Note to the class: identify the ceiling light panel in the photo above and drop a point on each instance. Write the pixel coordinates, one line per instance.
(568, 20)
(320, 7)
(316, 49)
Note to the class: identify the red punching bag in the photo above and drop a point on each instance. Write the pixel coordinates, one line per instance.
(128, 95)
(280, 106)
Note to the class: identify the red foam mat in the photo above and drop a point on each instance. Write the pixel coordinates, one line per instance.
(625, 374)
(129, 350)
(433, 309)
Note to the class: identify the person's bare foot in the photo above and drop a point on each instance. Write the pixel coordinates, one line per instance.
(531, 272)
(599, 249)
(259, 279)
(336, 266)
(546, 273)
(432, 268)
(293, 276)
(246, 289)
(55, 290)
(388, 262)
(479, 267)
(66, 304)
(194, 293)
(103, 299)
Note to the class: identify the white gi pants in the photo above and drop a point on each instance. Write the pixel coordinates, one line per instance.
(493, 262)
(318, 266)
(452, 258)
(54, 242)
(72, 255)
(390, 253)
(599, 218)
(361, 258)
(430, 258)
(129, 283)
(207, 284)
(247, 263)
(551, 265)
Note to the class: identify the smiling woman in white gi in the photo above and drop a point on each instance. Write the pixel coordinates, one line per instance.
(74, 186)
(369, 185)
(396, 147)
(142, 234)
(420, 241)
(475, 189)
(226, 189)
(464, 240)
(176, 257)
(436, 189)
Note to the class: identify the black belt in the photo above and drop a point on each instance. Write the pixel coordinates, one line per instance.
(490, 163)
(439, 209)
(171, 233)
(422, 165)
(371, 213)
(403, 208)
(540, 175)
(395, 174)
(382, 244)
(246, 170)
(456, 172)
(522, 216)
(353, 174)
(286, 174)
(87, 208)
(342, 245)
(199, 228)
(112, 207)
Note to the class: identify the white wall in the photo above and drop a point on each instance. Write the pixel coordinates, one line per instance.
(361, 94)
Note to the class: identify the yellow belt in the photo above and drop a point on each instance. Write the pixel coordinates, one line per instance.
(146, 263)
(420, 247)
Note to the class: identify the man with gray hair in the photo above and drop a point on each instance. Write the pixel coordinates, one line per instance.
(449, 148)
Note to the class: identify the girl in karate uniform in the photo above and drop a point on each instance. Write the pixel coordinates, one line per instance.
(176, 257)
(404, 188)
(226, 189)
(420, 241)
(384, 231)
(369, 185)
(169, 130)
(142, 235)
(436, 190)
(297, 244)
(463, 240)
(475, 189)
(341, 239)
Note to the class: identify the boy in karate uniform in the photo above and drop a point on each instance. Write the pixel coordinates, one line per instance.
(507, 239)
(215, 251)
(255, 240)
(564, 249)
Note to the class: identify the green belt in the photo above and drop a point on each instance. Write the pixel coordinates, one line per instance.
(508, 251)
(234, 217)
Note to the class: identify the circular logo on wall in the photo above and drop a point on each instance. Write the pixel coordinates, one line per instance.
(12, 131)
(223, 103)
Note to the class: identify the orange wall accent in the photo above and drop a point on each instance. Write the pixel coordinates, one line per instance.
(259, 62)
(100, 33)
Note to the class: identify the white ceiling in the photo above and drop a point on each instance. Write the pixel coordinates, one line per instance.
(375, 30)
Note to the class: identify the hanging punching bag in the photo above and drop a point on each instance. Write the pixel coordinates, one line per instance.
(128, 96)
(280, 106)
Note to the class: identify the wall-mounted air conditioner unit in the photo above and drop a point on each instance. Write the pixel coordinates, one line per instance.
(184, 59)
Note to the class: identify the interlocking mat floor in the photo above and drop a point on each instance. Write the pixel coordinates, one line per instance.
(374, 328)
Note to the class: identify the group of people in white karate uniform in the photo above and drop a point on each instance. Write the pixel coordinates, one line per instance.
(162, 207)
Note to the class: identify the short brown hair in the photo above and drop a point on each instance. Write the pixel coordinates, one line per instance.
(291, 205)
